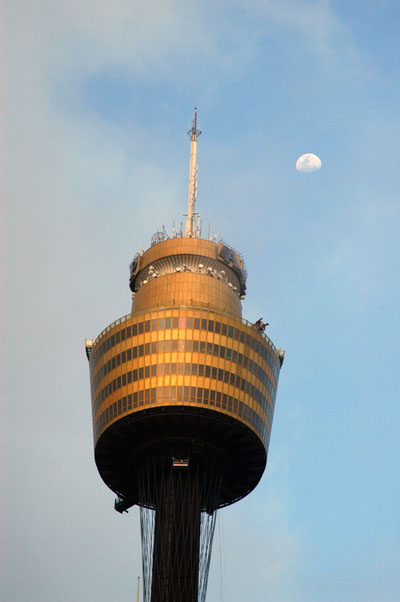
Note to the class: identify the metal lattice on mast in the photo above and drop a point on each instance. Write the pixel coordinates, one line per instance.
(192, 226)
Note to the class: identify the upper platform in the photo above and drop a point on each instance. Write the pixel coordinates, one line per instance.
(188, 271)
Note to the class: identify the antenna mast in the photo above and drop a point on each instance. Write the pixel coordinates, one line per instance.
(191, 229)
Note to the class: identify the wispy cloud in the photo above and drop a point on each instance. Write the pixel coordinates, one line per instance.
(315, 21)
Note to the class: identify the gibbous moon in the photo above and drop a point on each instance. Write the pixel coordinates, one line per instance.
(308, 163)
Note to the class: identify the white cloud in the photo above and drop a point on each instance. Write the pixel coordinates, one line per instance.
(170, 41)
(315, 21)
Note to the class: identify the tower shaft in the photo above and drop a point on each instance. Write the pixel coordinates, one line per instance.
(177, 538)
(181, 480)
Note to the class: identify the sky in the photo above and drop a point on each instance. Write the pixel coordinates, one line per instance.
(97, 98)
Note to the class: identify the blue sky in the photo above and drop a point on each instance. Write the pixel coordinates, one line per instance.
(97, 99)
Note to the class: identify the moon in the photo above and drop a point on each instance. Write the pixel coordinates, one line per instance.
(308, 163)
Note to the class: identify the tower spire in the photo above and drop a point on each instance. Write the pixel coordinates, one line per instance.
(191, 230)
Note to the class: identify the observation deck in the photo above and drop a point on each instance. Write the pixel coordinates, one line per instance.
(170, 371)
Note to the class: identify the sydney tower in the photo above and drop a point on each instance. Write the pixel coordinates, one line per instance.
(183, 392)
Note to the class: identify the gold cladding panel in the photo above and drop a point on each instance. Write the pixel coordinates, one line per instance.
(187, 289)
